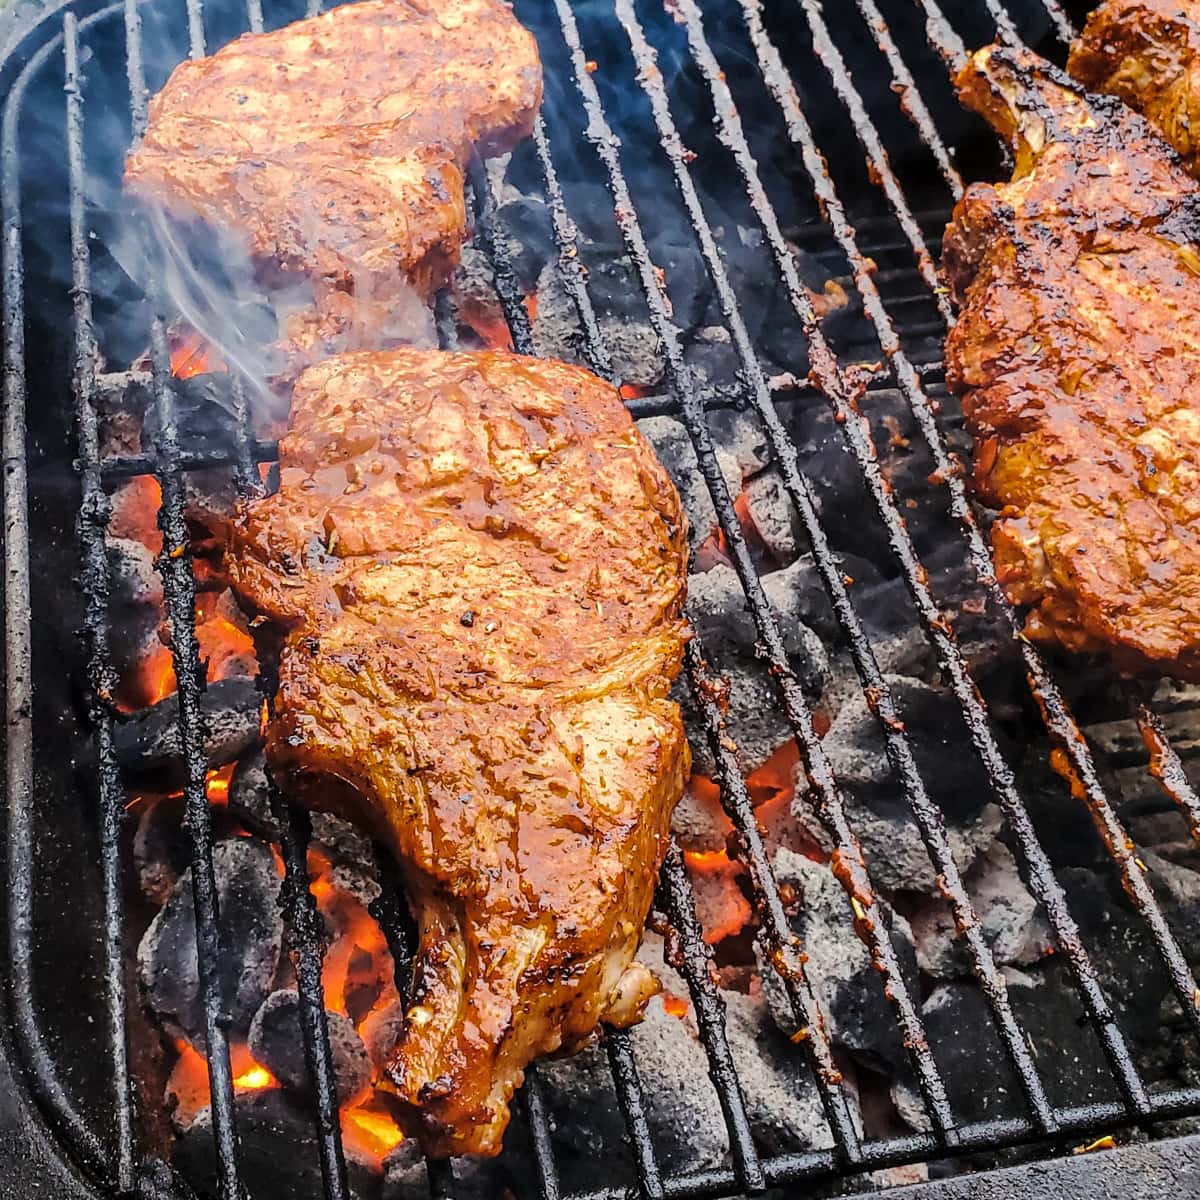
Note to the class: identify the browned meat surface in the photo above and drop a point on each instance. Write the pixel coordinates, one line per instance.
(1078, 358)
(479, 568)
(337, 145)
(1148, 53)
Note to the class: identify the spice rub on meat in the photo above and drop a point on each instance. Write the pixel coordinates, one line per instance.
(1147, 52)
(337, 144)
(1077, 355)
(479, 569)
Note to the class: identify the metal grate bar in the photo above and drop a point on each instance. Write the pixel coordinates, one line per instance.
(877, 160)
(18, 649)
(631, 1098)
(679, 903)
(911, 101)
(195, 21)
(536, 1110)
(508, 289)
(974, 713)
(941, 35)
(94, 513)
(1166, 767)
(306, 932)
(570, 269)
(179, 599)
(254, 13)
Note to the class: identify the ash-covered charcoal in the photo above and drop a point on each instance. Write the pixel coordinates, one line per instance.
(251, 929)
(404, 1173)
(1177, 885)
(781, 1099)
(204, 415)
(698, 822)
(876, 807)
(161, 847)
(755, 721)
(276, 1041)
(209, 500)
(279, 1155)
(682, 1109)
(773, 515)
(620, 311)
(148, 745)
(249, 797)
(133, 580)
(962, 1035)
(674, 449)
(1012, 921)
(684, 1114)
(381, 1032)
(352, 865)
(134, 604)
(861, 1019)
(711, 358)
(524, 237)
(741, 435)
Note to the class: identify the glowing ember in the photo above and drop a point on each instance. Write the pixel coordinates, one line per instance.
(217, 784)
(721, 906)
(370, 1129)
(357, 970)
(716, 878)
(192, 355)
(676, 1006)
(634, 391)
(189, 1085)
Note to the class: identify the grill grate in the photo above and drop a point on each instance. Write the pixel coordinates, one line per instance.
(113, 1157)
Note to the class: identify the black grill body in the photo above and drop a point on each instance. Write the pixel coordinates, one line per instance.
(74, 82)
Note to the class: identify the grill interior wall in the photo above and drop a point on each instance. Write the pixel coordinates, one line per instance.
(81, 83)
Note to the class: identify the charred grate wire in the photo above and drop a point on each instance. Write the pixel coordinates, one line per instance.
(749, 1173)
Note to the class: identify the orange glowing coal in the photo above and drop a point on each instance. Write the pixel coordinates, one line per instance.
(720, 903)
(188, 1084)
(357, 972)
(675, 1006)
(369, 1129)
(192, 355)
(716, 878)
(135, 506)
(216, 785)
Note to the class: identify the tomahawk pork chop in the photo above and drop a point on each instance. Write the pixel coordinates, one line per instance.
(336, 145)
(478, 568)
(1077, 355)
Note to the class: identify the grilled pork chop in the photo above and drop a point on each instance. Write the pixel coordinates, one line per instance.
(337, 144)
(479, 568)
(1148, 53)
(1077, 355)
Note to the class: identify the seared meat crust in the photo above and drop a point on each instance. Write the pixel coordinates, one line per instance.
(1077, 355)
(480, 569)
(337, 144)
(1148, 53)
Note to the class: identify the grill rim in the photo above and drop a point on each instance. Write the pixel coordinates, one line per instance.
(780, 1169)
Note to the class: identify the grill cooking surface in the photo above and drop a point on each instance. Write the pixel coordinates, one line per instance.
(727, 75)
